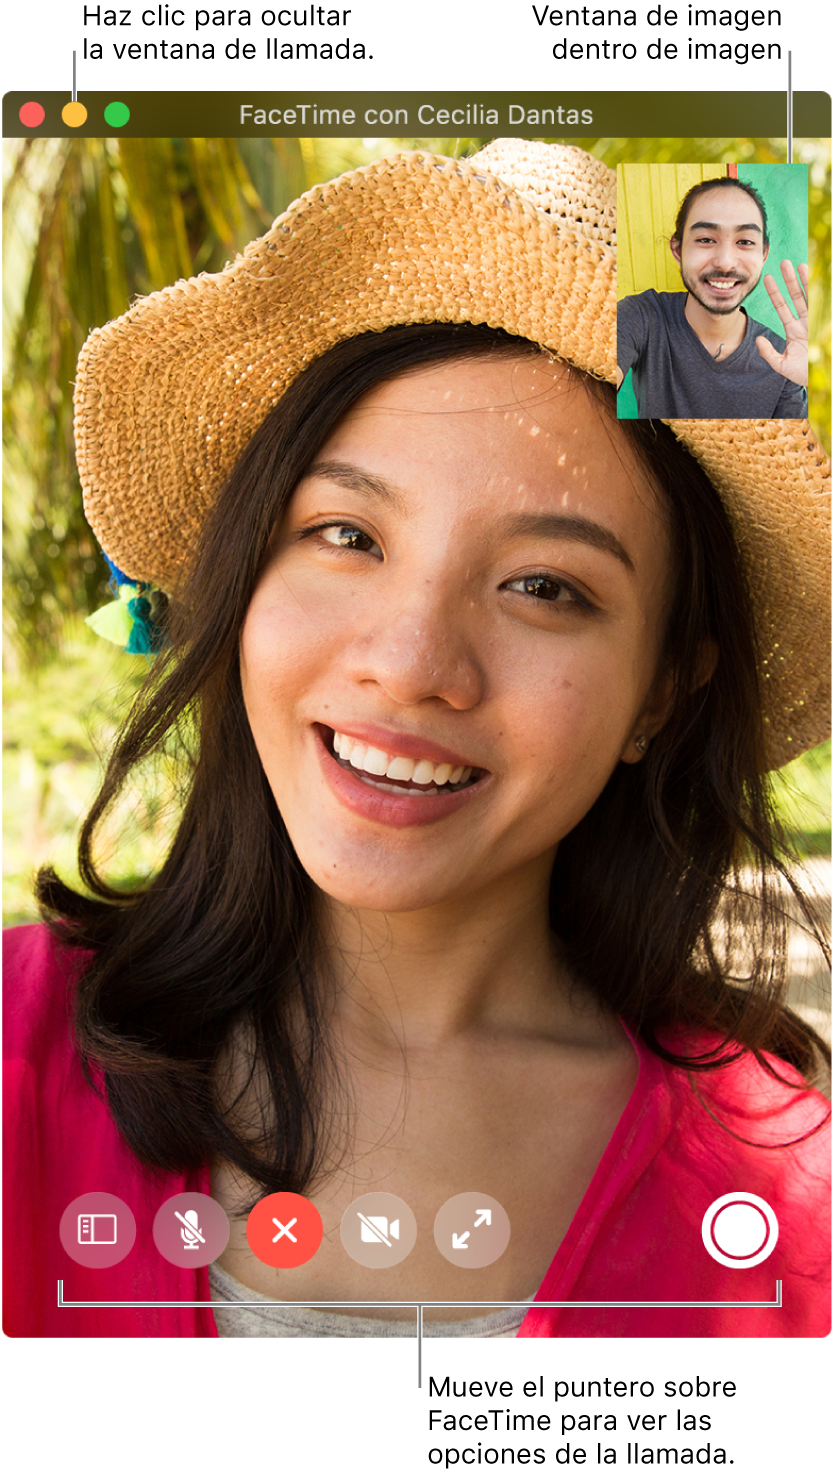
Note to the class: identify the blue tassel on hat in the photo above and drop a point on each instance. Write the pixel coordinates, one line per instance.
(129, 621)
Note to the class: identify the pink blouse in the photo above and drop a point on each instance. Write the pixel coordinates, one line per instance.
(633, 1262)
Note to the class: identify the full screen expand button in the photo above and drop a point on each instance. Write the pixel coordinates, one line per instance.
(472, 1230)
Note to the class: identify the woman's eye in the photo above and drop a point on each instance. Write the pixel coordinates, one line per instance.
(542, 587)
(346, 535)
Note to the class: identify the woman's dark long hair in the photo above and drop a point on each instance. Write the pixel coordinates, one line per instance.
(202, 991)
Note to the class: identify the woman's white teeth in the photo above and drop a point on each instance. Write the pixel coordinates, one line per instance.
(394, 766)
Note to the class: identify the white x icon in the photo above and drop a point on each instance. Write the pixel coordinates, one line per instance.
(284, 1230)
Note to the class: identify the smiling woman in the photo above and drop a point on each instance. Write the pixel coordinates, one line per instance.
(429, 597)
(476, 693)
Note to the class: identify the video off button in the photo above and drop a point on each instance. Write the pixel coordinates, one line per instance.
(378, 1230)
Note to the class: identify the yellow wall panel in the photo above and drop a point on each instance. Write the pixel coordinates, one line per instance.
(648, 196)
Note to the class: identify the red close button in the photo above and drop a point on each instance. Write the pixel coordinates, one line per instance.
(284, 1230)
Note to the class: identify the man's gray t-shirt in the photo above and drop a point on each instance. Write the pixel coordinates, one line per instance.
(675, 378)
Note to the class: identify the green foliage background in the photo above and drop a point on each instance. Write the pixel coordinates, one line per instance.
(88, 225)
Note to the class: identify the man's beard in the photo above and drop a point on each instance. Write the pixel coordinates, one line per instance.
(719, 309)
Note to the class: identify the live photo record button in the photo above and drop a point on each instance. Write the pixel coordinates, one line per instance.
(97, 1230)
(740, 1229)
(284, 1230)
(191, 1230)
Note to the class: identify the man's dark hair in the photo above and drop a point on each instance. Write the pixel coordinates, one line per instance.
(725, 182)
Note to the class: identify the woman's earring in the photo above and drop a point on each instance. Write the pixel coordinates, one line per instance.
(640, 743)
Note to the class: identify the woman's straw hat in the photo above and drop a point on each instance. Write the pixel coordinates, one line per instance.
(521, 236)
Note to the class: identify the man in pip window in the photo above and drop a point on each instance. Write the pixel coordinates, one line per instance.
(697, 354)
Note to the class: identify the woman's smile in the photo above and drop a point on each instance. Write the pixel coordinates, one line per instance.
(388, 786)
(457, 636)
